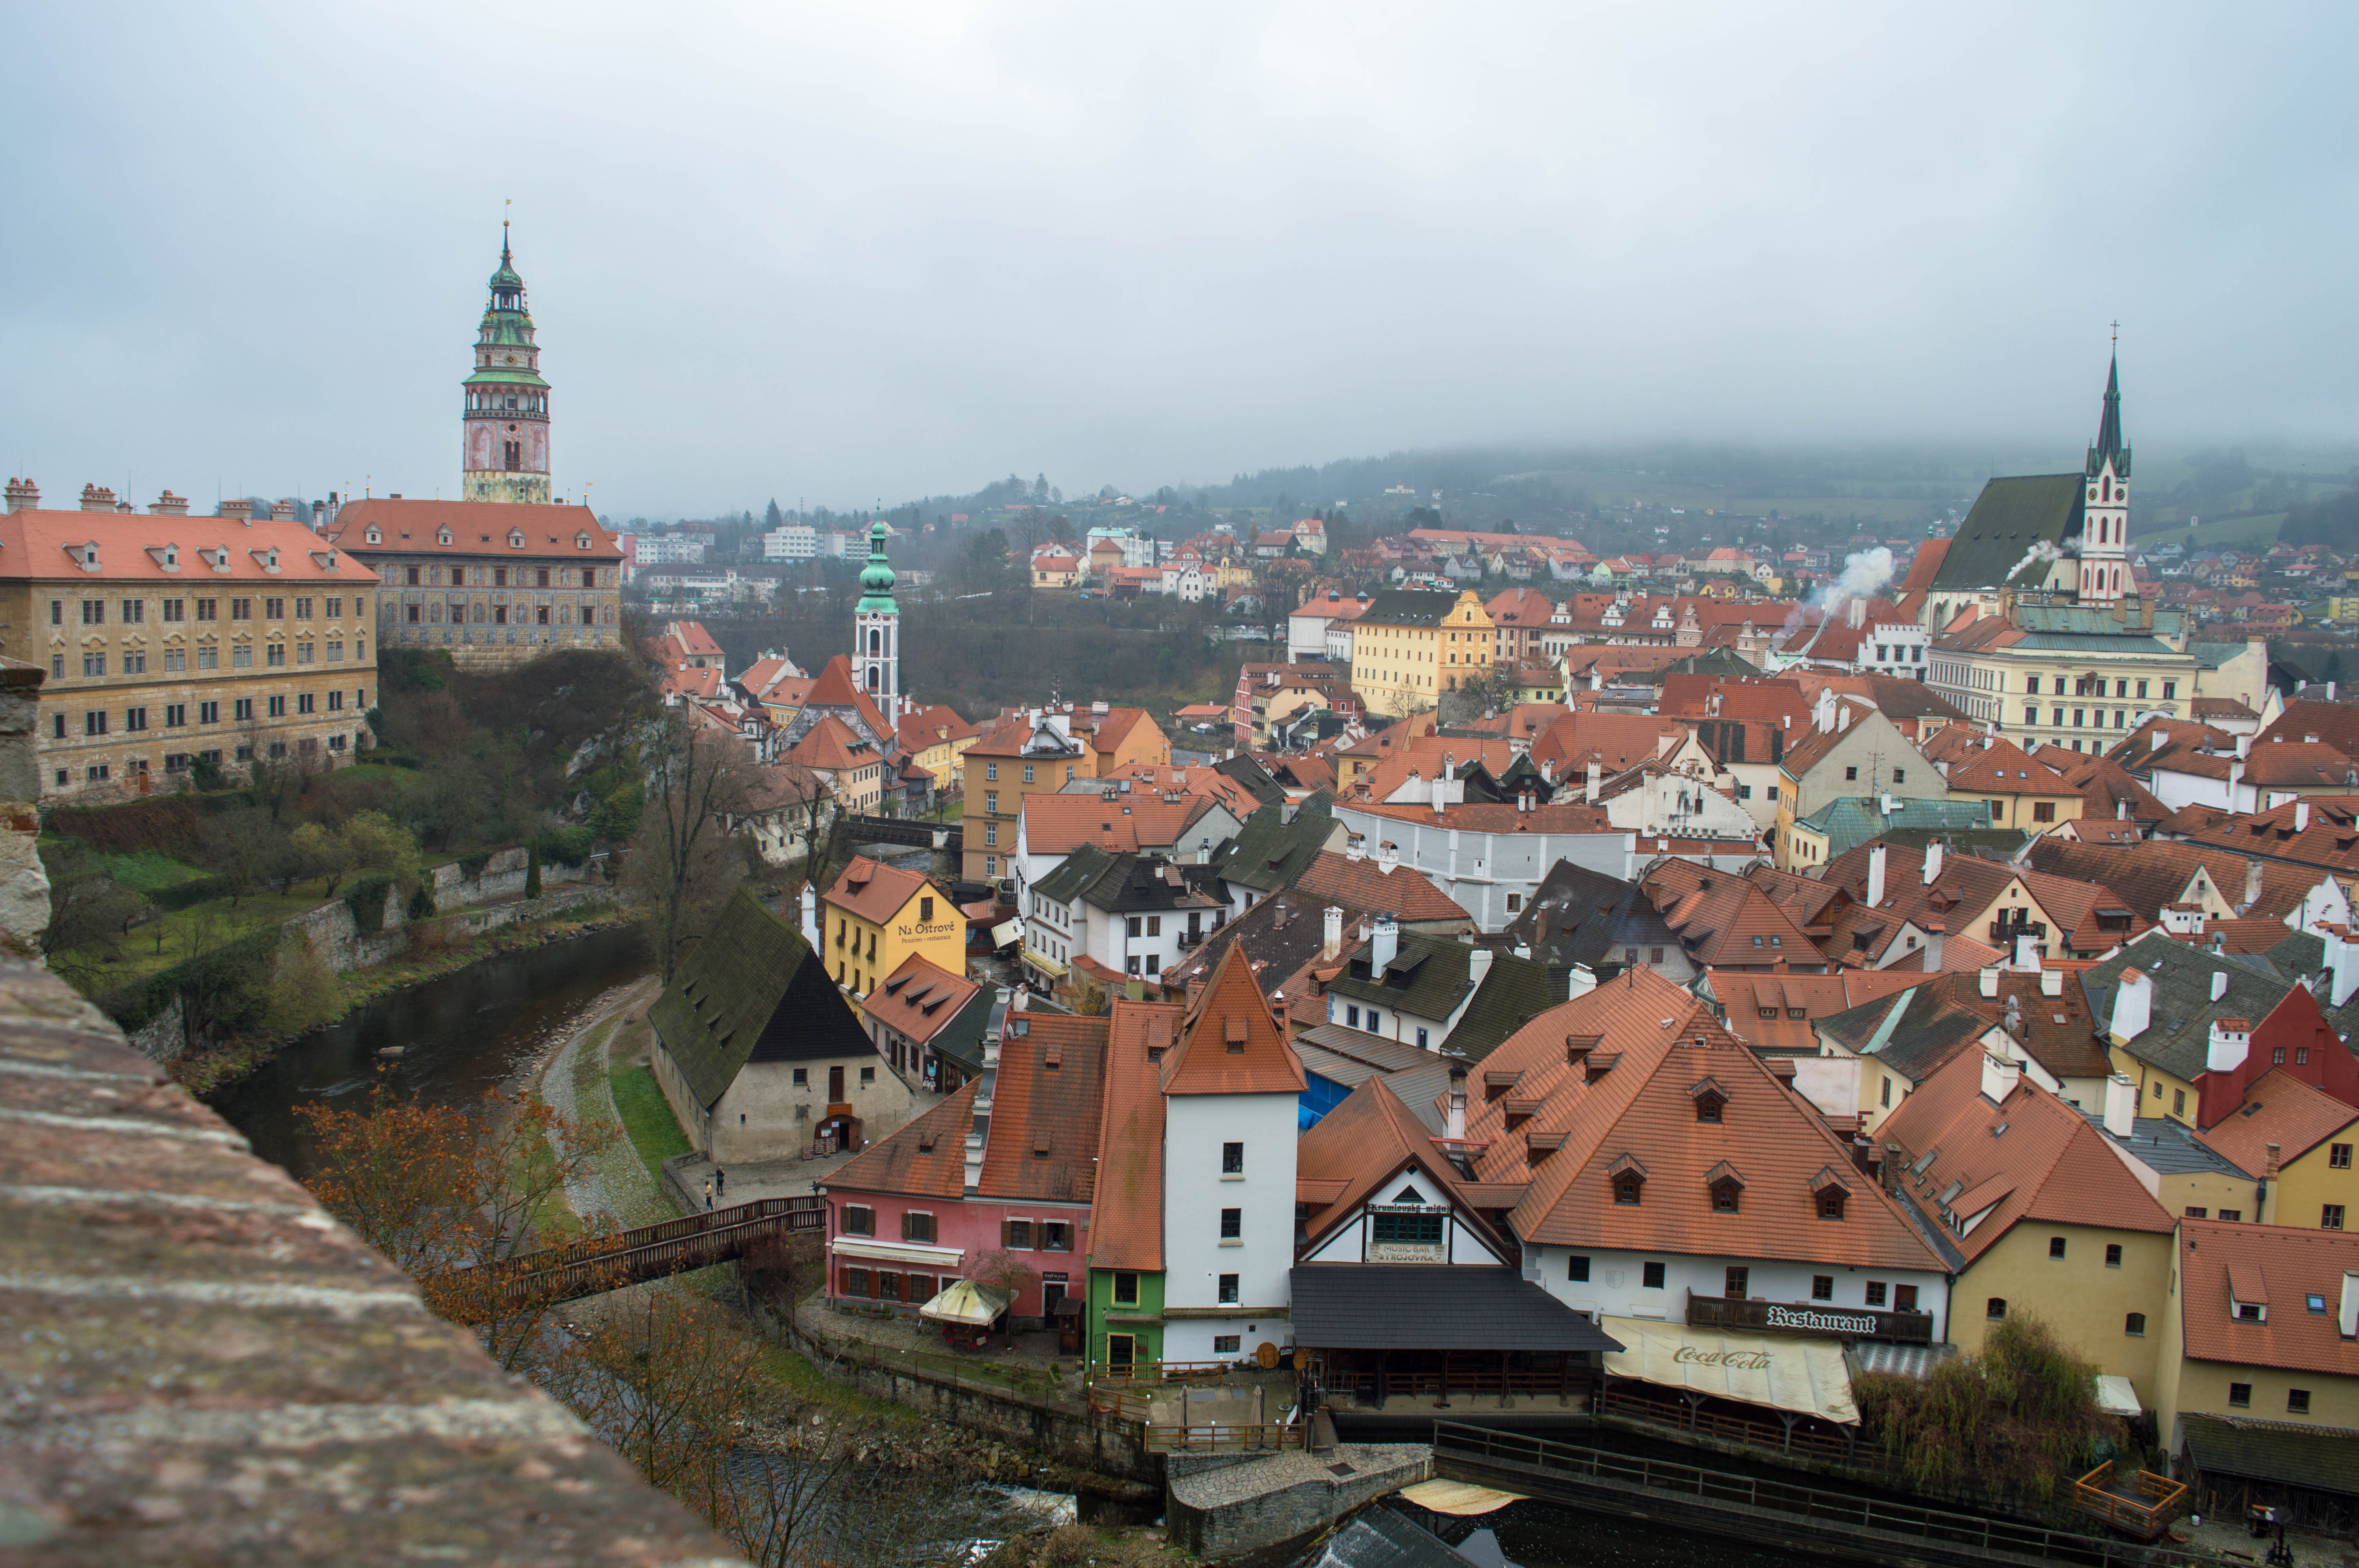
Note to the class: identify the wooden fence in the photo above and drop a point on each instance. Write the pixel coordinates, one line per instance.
(2143, 1511)
(656, 1252)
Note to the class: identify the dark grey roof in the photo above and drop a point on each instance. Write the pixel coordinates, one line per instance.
(1280, 934)
(1074, 872)
(748, 992)
(1430, 978)
(2316, 1459)
(1384, 1538)
(2008, 519)
(2178, 1039)
(1434, 1306)
(1408, 607)
(1271, 851)
(2169, 1147)
(1570, 917)
(1370, 1054)
(1421, 1087)
(1252, 777)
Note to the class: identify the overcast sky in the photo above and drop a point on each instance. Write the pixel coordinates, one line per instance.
(839, 253)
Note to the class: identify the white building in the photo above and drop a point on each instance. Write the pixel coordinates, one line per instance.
(667, 549)
(795, 541)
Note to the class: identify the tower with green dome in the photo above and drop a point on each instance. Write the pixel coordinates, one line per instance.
(877, 630)
(505, 421)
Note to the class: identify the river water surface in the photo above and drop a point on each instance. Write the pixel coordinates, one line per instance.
(460, 1035)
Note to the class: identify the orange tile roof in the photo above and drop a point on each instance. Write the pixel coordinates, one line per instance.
(694, 641)
(1722, 919)
(1046, 1103)
(1747, 997)
(834, 687)
(1058, 824)
(2279, 1110)
(34, 545)
(477, 527)
(871, 890)
(1231, 1043)
(1987, 765)
(2279, 1266)
(2335, 723)
(2051, 1164)
(1401, 893)
(927, 1158)
(1127, 1213)
(831, 745)
(920, 999)
(2330, 843)
(932, 725)
(1663, 1043)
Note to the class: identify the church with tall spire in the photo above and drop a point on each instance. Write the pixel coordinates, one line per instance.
(505, 414)
(2105, 576)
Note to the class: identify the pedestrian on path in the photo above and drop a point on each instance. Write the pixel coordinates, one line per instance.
(721, 1184)
(708, 1191)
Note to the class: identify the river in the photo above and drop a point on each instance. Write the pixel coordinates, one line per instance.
(1540, 1535)
(468, 1032)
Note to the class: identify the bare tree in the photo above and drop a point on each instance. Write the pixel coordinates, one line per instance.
(699, 781)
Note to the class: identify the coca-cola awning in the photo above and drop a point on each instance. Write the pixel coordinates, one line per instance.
(1788, 1374)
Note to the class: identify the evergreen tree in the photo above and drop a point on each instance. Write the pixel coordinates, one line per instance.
(532, 870)
(772, 518)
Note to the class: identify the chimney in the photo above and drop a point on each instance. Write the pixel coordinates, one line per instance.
(1876, 877)
(1356, 846)
(97, 498)
(1384, 946)
(2154, 740)
(2272, 1161)
(1936, 935)
(1579, 982)
(235, 511)
(2219, 984)
(810, 917)
(1862, 1153)
(2342, 955)
(2301, 816)
(1990, 981)
(1932, 861)
(2122, 809)
(1455, 1129)
(2027, 953)
(2243, 746)
(1332, 933)
(2133, 1006)
(282, 510)
(1842, 717)
(2227, 1043)
(1478, 965)
(170, 505)
(2000, 1077)
(2051, 982)
(2121, 1106)
(2252, 886)
(24, 495)
(2346, 1318)
(1589, 787)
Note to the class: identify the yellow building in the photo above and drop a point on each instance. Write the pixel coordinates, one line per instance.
(938, 738)
(2258, 1329)
(876, 915)
(172, 640)
(2299, 1141)
(1412, 645)
(2014, 788)
(1039, 752)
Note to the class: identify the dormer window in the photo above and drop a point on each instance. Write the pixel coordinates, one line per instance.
(1711, 1100)
(443, 537)
(581, 541)
(1829, 1193)
(1629, 1178)
(1831, 1202)
(375, 537)
(515, 539)
(1728, 1188)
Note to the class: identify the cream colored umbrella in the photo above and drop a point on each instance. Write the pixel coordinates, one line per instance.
(963, 1301)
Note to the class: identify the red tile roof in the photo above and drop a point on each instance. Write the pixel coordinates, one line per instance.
(875, 893)
(1987, 765)
(477, 527)
(2276, 1266)
(919, 999)
(1364, 884)
(1058, 824)
(932, 725)
(831, 745)
(2278, 1110)
(834, 687)
(1046, 1103)
(927, 1158)
(2052, 1162)
(1722, 919)
(1126, 1216)
(1747, 996)
(1358, 1146)
(34, 545)
(1231, 1043)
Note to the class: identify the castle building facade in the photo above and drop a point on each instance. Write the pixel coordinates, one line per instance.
(507, 573)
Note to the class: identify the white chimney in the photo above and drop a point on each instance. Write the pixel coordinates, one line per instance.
(1858, 612)
(811, 916)
(2121, 1106)
(1384, 946)
(2027, 953)
(1456, 1127)
(1876, 877)
(2301, 816)
(2219, 984)
(2155, 740)
(2000, 1077)
(1581, 982)
(1990, 981)
(2244, 745)
(1932, 861)
(2133, 1006)
(1589, 788)
(1478, 965)
(2051, 982)
(2122, 809)
(1332, 933)
(2343, 957)
(2346, 1319)
(2227, 1043)
(1842, 717)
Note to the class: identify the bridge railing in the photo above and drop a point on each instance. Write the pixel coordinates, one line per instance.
(1972, 1533)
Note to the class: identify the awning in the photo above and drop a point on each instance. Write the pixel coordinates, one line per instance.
(1459, 1498)
(1434, 1306)
(1804, 1375)
(917, 1252)
(963, 1301)
(2115, 1397)
(1047, 965)
(1006, 932)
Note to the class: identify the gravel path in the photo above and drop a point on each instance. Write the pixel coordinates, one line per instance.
(615, 1188)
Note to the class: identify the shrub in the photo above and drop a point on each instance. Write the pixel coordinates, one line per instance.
(366, 902)
(532, 870)
(471, 866)
(2006, 1424)
(421, 902)
(567, 846)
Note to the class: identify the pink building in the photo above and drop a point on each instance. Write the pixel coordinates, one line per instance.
(922, 1208)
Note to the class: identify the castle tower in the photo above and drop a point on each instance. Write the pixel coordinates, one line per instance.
(2104, 532)
(505, 455)
(877, 630)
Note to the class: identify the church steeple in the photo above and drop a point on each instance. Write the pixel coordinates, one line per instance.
(505, 421)
(2105, 576)
(877, 629)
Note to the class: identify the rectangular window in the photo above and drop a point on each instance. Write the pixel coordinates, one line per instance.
(1232, 1224)
(335, 609)
(1875, 1292)
(2338, 1156)
(990, 775)
(1823, 1287)
(855, 1283)
(176, 714)
(303, 608)
(93, 664)
(1125, 1289)
(2297, 1401)
(2178, 1102)
(2043, 811)
(2112, 1254)
(93, 612)
(916, 1227)
(2170, 691)
(172, 609)
(2240, 1395)
(801, 1075)
(1056, 1236)
(2330, 1216)
(857, 1220)
(175, 660)
(1576, 1268)
(275, 656)
(1225, 1343)
(1413, 1229)
(208, 713)
(1228, 1290)
(303, 702)
(94, 723)
(336, 699)
(1735, 1284)
(278, 706)
(1650, 1276)
(274, 610)
(2056, 1246)
(1232, 1159)
(1017, 1235)
(135, 718)
(135, 662)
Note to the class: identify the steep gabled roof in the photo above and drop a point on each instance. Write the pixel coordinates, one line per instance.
(926, 1158)
(747, 993)
(1231, 1043)
(1046, 1103)
(834, 687)
(1365, 884)
(1126, 1209)
(925, 1002)
(2008, 521)
(831, 745)
(875, 893)
(2281, 1109)
(2276, 1266)
(1986, 764)
(1358, 1147)
(2177, 1038)
(1722, 919)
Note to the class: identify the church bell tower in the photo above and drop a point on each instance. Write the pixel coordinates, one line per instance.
(2105, 507)
(877, 630)
(505, 421)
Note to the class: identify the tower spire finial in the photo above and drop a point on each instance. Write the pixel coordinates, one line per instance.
(506, 202)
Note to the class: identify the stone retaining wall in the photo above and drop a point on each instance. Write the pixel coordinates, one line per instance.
(1228, 1509)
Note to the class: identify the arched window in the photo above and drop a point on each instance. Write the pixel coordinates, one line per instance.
(1995, 1308)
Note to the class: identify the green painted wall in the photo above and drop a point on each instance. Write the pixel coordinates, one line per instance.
(1150, 1304)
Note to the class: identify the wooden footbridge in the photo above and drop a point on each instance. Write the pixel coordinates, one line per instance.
(657, 1251)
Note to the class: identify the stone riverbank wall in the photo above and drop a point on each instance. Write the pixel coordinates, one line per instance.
(1225, 1505)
